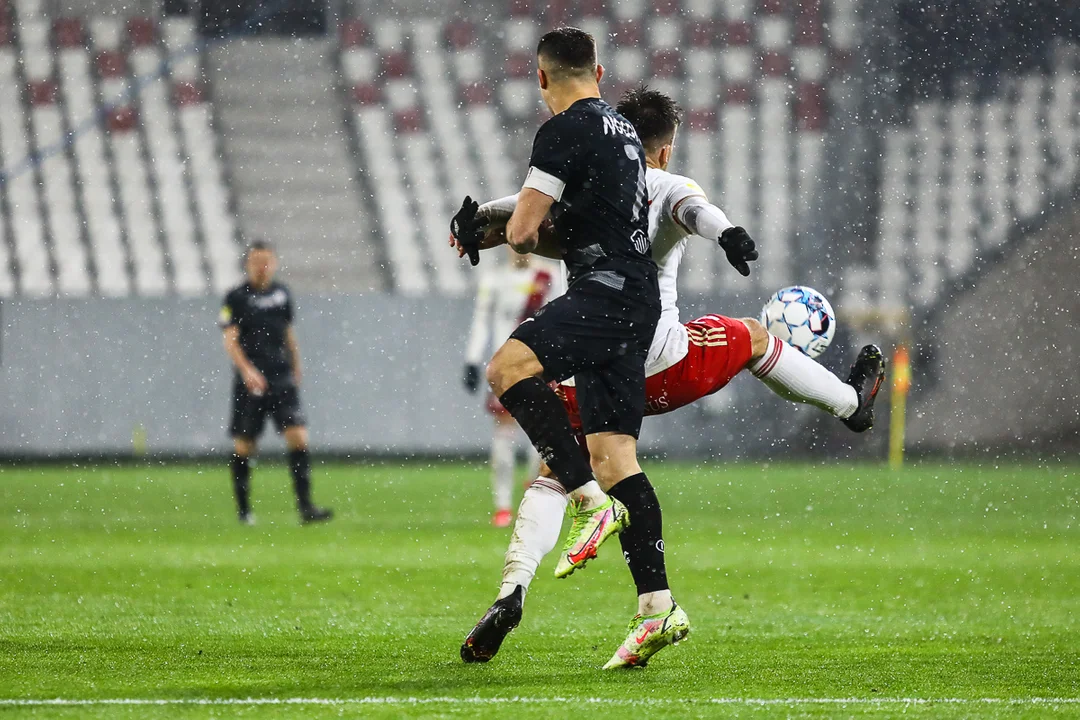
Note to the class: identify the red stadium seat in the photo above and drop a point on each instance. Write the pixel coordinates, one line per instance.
(395, 65)
(811, 111)
(121, 119)
(739, 32)
(354, 32)
(41, 92)
(476, 94)
(628, 33)
(187, 93)
(704, 33)
(775, 64)
(111, 64)
(366, 94)
(667, 63)
(69, 33)
(738, 94)
(141, 31)
(460, 34)
(703, 120)
(520, 65)
(808, 28)
(410, 120)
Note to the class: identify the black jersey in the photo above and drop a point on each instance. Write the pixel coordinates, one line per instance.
(589, 158)
(263, 317)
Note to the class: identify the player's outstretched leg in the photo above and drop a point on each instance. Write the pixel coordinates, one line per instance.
(867, 374)
(798, 378)
(488, 635)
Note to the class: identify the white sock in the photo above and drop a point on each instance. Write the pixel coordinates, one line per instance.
(655, 602)
(502, 465)
(536, 532)
(793, 376)
(532, 461)
(589, 495)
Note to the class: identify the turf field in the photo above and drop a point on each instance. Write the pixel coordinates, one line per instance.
(813, 591)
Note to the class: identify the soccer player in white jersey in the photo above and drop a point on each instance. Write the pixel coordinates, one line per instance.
(685, 363)
(505, 296)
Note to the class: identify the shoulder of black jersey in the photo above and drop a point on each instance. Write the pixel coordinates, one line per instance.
(236, 292)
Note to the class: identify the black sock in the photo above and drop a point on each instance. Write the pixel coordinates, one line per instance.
(241, 472)
(643, 541)
(542, 416)
(300, 468)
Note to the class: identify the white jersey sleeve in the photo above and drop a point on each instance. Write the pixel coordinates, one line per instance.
(678, 188)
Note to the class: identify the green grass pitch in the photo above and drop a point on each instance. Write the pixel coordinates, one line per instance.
(813, 591)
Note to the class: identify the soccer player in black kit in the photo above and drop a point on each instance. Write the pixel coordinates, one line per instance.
(588, 172)
(256, 320)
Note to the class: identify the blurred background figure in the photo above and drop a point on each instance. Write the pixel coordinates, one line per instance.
(256, 320)
(505, 296)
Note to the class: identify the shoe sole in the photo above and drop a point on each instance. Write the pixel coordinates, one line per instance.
(616, 527)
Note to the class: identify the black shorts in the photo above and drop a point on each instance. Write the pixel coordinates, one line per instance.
(249, 412)
(600, 337)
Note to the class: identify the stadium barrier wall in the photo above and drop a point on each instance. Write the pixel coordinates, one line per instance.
(382, 376)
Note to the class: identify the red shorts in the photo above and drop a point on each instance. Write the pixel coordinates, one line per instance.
(719, 349)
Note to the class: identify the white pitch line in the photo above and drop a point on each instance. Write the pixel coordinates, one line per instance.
(76, 702)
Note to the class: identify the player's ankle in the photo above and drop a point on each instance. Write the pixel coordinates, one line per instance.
(589, 495)
(509, 586)
(652, 603)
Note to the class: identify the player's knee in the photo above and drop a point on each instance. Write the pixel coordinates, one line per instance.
(759, 337)
(296, 437)
(243, 446)
(512, 363)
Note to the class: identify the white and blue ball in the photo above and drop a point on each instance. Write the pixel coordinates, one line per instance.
(801, 317)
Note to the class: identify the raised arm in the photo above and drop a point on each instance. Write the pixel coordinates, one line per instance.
(699, 216)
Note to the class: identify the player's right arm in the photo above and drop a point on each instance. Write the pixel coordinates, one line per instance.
(690, 208)
(556, 155)
(254, 380)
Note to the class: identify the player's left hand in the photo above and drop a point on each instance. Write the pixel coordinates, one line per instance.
(468, 230)
(739, 248)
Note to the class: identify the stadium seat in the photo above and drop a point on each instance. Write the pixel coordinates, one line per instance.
(91, 165)
(173, 202)
(30, 254)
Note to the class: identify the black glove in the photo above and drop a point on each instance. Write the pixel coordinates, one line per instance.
(468, 229)
(739, 247)
(472, 378)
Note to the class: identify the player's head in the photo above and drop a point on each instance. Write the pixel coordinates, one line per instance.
(566, 57)
(656, 118)
(260, 262)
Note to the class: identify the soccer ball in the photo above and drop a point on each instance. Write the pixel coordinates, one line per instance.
(801, 317)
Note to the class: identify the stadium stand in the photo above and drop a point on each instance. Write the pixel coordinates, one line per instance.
(421, 111)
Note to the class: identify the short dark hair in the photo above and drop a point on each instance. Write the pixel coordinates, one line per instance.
(259, 244)
(653, 114)
(569, 50)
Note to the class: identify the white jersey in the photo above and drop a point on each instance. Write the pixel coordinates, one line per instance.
(669, 236)
(504, 297)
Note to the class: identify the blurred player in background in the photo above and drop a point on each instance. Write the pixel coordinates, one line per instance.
(504, 298)
(256, 320)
